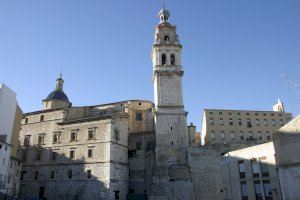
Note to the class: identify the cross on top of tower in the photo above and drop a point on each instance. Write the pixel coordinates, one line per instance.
(163, 14)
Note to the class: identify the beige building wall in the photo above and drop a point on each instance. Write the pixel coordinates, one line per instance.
(240, 126)
(250, 173)
(16, 132)
(73, 173)
(287, 148)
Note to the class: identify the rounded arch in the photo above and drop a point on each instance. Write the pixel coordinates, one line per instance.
(166, 38)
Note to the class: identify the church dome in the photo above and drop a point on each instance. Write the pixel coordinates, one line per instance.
(57, 95)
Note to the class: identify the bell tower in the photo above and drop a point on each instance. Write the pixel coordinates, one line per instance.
(170, 116)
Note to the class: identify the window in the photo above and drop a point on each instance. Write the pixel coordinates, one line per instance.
(220, 113)
(221, 121)
(273, 122)
(249, 125)
(232, 136)
(247, 113)
(268, 190)
(70, 174)
(150, 146)
(138, 117)
(73, 136)
(90, 153)
(268, 135)
(42, 117)
(250, 136)
(117, 134)
(117, 195)
(259, 135)
(257, 122)
(240, 122)
(172, 59)
(244, 190)
(27, 140)
(52, 175)
(265, 122)
(22, 175)
(241, 135)
(230, 122)
(138, 146)
(91, 133)
(39, 155)
(36, 175)
(212, 121)
(210, 113)
(163, 59)
(41, 138)
(72, 154)
(258, 190)
(242, 169)
(222, 135)
(166, 38)
(255, 167)
(264, 169)
(281, 122)
(89, 173)
(56, 137)
(212, 135)
(54, 155)
(26, 120)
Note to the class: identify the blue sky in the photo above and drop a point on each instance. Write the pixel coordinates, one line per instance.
(234, 51)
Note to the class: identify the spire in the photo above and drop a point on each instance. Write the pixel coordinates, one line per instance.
(59, 83)
(163, 14)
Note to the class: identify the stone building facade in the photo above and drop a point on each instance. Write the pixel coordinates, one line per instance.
(251, 173)
(80, 152)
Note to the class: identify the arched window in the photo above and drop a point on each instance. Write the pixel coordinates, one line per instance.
(167, 38)
(172, 59)
(163, 59)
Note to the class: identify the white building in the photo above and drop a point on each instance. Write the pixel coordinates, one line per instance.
(9, 127)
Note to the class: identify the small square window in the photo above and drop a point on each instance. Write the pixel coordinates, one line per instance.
(138, 117)
(89, 173)
(91, 134)
(90, 153)
(42, 117)
(56, 137)
(138, 146)
(54, 155)
(72, 154)
(36, 175)
(73, 136)
(52, 175)
(26, 120)
(70, 174)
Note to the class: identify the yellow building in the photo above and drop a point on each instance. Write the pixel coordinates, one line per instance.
(241, 126)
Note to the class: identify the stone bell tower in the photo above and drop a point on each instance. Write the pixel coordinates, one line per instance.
(170, 116)
(171, 177)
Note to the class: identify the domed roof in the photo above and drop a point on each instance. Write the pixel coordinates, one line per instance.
(57, 95)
